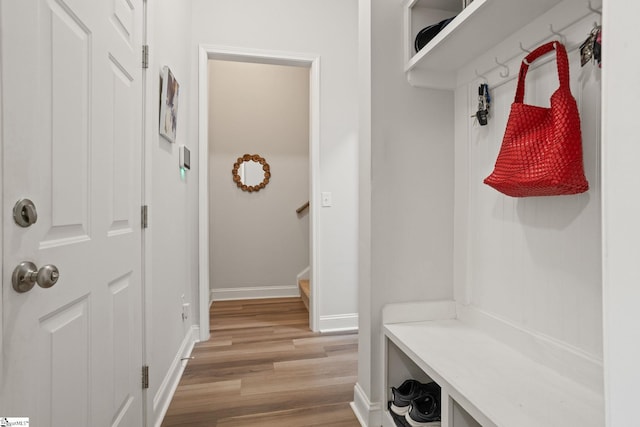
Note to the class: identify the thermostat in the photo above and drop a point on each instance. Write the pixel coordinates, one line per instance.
(185, 157)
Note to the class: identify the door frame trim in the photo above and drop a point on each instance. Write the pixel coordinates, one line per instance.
(311, 61)
(145, 198)
(2, 208)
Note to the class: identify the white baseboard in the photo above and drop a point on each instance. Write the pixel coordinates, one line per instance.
(339, 323)
(368, 414)
(304, 274)
(165, 392)
(260, 292)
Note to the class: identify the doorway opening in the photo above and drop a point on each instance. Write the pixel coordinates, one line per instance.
(233, 62)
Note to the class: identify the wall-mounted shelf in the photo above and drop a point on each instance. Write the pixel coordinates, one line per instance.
(481, 25)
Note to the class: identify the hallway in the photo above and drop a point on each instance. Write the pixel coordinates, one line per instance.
(262, 366)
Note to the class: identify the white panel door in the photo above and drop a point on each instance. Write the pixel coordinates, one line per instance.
(72, 124)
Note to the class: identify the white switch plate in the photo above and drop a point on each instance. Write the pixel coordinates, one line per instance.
(185, 157)
(326, 198)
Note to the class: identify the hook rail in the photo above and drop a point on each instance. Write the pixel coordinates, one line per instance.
(480, 76)
(563, 38)
(592, 9)
(504, 73)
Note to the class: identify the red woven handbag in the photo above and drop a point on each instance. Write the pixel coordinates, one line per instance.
(541, 153)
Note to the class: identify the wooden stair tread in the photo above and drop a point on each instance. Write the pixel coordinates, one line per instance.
(305, 291)
(304, 287)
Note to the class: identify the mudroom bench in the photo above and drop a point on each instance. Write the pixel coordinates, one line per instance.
(491, 373)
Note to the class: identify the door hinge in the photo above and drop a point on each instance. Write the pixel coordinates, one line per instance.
(145, 56)
(145, 377)
(145, 216)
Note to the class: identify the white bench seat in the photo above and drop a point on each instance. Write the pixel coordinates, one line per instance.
(495, 384)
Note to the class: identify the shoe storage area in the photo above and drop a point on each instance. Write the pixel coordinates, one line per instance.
(486, 379)
(402, 367)
(520, 344)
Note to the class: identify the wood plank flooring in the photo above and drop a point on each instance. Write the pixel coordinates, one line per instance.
(263, 367)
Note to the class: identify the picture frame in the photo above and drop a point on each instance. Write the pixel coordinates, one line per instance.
(169, 91)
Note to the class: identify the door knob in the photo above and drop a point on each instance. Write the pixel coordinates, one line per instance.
(26, 275)
(47, 276)
(24, 213)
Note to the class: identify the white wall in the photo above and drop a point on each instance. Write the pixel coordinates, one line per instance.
(327, 28)
(532, 262)
(171, 239)
(621, 210)
(411, 180)
(256, 239)
(2, 282)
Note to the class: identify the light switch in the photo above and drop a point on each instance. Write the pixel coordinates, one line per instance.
(326, 199)
(185, 157)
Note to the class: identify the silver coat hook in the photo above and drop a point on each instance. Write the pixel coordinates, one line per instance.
(523, 49)
(480, 76)
(592, 9)
(563, 39)
(504, 73)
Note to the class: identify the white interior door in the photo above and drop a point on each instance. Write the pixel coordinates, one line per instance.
(72, 124)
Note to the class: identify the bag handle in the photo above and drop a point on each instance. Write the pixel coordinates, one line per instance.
(561, 59)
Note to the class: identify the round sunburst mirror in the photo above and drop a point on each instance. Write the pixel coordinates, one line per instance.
(251, 172)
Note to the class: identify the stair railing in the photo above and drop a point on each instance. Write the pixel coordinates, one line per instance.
(302, 208)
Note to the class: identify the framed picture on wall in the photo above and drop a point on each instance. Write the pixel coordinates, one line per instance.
(168, 104)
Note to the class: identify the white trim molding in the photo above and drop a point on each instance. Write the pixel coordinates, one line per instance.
(304, 274)
(367, 413)
(309, 60)
(203, 193)
(339, 323)
(314, 192)
(258, 292)
(167, 389)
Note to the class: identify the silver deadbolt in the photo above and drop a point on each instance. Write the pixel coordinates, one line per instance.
(24, 213)
(26, 275)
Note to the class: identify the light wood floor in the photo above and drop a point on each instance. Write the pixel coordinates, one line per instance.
(263, 367)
